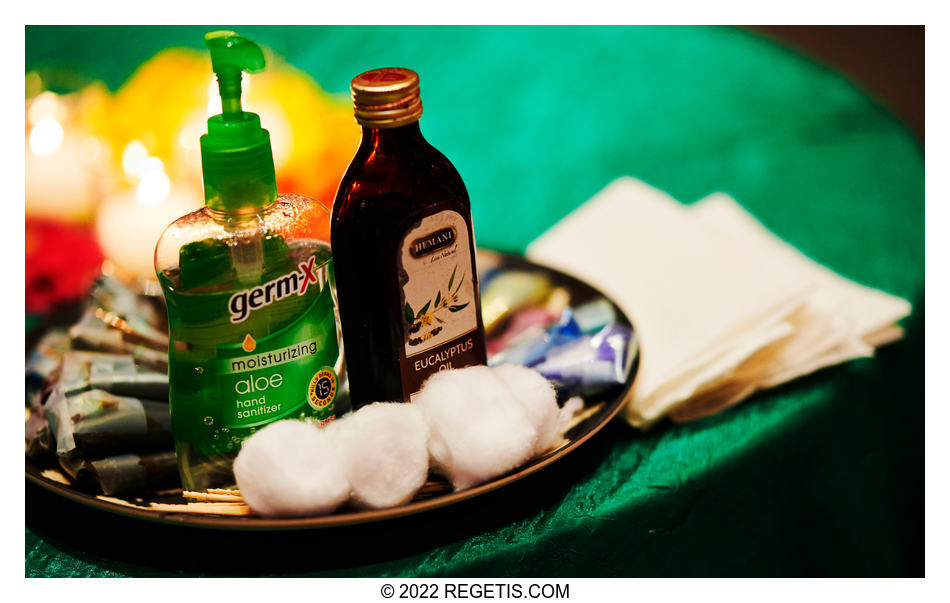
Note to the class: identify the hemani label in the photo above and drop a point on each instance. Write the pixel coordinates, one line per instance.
(440, 323)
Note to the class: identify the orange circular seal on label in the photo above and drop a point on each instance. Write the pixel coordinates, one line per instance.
(322, 388)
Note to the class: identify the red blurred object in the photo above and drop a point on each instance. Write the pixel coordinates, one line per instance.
(62, 261)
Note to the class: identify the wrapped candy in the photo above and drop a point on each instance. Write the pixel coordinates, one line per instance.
(97, 422)
(584, 352)
(592, 362)
(531, 348)
(509, 292)
(106, 331)
(125, 473)
(118, 320)
(594, 315)
(524, 324)
(43, 361)
(46, 356)
(532, 344)
(39, 442)
(529, 322)
(112, 295)
(117, 373)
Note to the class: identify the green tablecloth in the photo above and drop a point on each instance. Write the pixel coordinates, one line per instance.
(820, 477)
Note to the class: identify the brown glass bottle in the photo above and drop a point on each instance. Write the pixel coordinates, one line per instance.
(403, 250)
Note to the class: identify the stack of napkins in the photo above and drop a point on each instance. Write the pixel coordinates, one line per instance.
(722, 306)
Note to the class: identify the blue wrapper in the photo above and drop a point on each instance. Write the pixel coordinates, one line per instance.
(531, 350)
(592, 362)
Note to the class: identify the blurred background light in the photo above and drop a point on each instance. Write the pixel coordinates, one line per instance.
(154, 187)
(46, 136)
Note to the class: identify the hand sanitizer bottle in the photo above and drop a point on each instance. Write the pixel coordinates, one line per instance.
(247, 282)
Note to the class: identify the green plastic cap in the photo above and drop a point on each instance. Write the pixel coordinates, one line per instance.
(236, 158)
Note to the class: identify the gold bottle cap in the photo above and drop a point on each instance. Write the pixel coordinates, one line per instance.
(386, 98)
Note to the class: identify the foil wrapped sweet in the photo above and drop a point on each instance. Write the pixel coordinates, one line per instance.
(508, 292)
(97, 422)
(584, 352)
(124, 473)
(591, 363)
(120, 374)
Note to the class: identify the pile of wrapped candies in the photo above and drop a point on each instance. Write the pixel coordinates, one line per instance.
(97, 394)
(583, 349)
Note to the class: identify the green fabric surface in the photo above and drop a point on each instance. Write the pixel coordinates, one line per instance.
(823, 476)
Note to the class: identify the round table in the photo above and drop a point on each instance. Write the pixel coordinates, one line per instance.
(823, 476)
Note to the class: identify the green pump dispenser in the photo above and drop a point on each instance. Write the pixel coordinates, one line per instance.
(236, 158)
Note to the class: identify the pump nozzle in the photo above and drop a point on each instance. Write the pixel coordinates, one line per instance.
(230, 55)
(236, 158)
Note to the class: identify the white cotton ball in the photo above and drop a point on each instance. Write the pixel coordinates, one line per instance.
(291, 468)
(476, 431)
(536, 395)
(384, 447)
(574, 405)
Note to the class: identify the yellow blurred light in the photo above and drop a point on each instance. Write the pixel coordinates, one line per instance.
(46, 136)
(47, 104)
(154, 187)
(150, 165)
(281, 132)
(90, 150)
(133, 157)
(164, 106)
(214, 99)
(190, 134)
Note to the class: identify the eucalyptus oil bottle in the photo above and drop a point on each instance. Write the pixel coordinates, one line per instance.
(246, 280)
(403, 248)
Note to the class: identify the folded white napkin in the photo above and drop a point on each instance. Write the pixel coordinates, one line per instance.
(722, 306)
